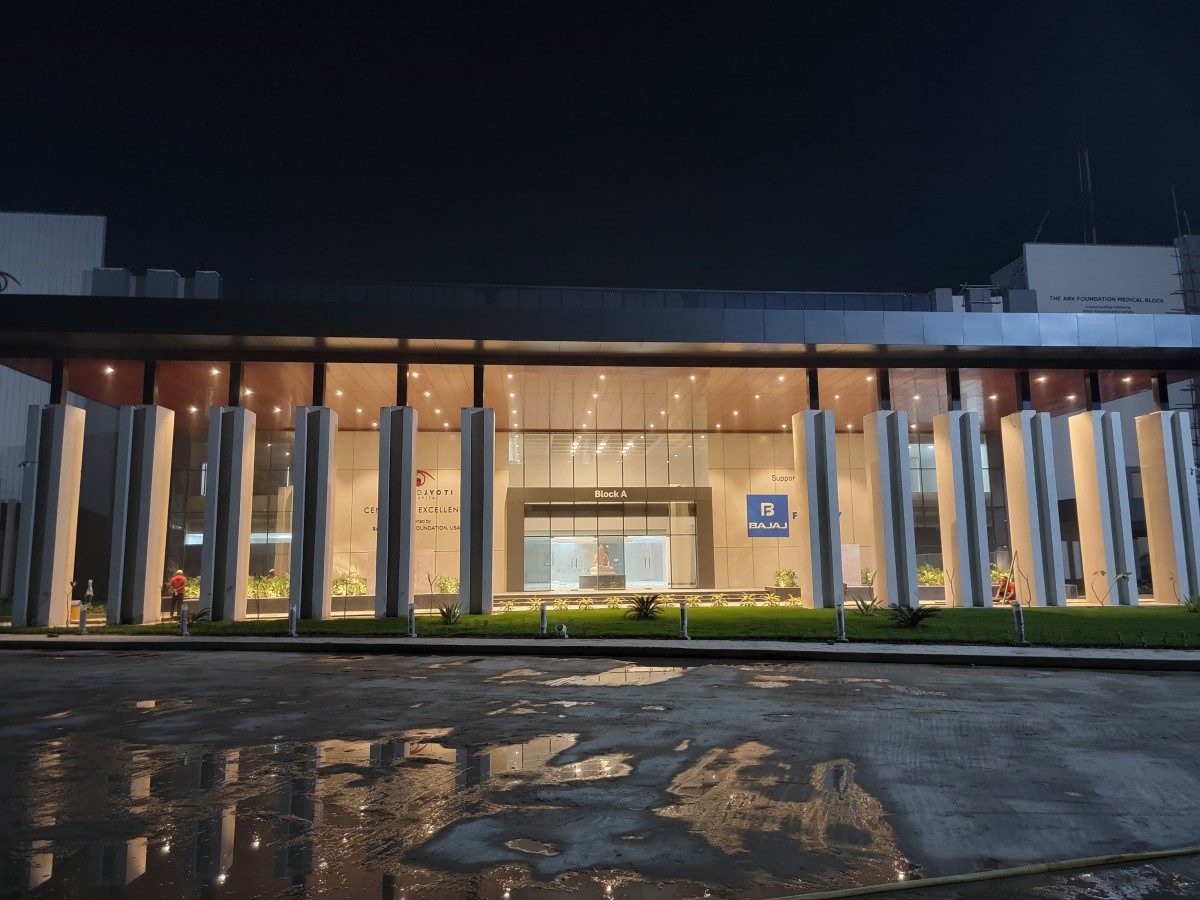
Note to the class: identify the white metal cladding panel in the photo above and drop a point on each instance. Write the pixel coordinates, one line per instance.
(50, 254)
(17, 392)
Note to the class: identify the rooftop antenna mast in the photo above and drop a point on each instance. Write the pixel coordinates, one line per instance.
(1085, 185)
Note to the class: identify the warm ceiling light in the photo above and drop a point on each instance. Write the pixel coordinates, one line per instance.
(993, 396)
(358, 409)
(445, 424)
(192, 409)
(416, 374)
(278, 410)
(589, 412)
(215, 371)
(602, 377)
(108, 370)
(912, 427)
(662, 412)
(735, 412)
(268, 443)
(510, 374)
(757, 396)
(1070, 396)
(916, 396)
(718, 424)
(597, 396)
(247, 392)
(781, 378)
(1127, 379)
(692, 377)
(436, 412)
(837, 396)
(584, 425)
(374, 424)
(1041, 379)
(339, 393)
(512, 395)
(870, 378)
(514, 412)
(651, 424)
(428, 394)
(287, 453)
(783, 426)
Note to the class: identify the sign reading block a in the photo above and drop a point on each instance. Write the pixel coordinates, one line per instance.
(767, 515)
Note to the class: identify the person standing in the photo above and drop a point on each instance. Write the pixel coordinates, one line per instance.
(178, 583)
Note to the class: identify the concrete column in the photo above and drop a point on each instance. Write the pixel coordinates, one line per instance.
(1172, 517)
(228, 493)
(397, 493)
(312, 511)
(1102, 503)
(885, 441)
(140, 493)
(478, 489)
(1033, 508)
(49, 515)
(960, 509)
(818, 523)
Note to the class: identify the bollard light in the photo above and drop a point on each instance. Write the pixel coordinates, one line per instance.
(683, 620)
(542, 620)
(293, 615)
(1019, 622)
(183, 617)
(839, 611)
(83, 617)
(412, 620)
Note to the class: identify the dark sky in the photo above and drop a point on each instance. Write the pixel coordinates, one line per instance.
(762, 145)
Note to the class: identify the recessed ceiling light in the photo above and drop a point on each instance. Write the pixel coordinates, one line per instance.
(192, 409)
(247, 392)
(278, 410)
(416, 374)
(1041, 379)
(514, 412)
(849, 427)
(374, 424)
(916, 396)
(584, 425)
(692, 377)
(358, 409)
(676, 396)
(339, 393)
(870, 378)
(428, 394)
(512, 394)
(781, 378)
(445, 424)
(837, 396)
(215, 371)
(1127, 379)
(993, 396)
(287, 453)
(735, 412)
(436, 412)
(651, 424)
(757, 396)
(783, 426)
(1070, 396)
(108, 370)
(718, 424)
(510, 374)
(912, 427)
(595, 396)
(268, 443)
(602, 377)
(589, 412)
(662, 412)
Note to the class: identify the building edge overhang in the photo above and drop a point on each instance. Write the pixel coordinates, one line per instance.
(96, 327)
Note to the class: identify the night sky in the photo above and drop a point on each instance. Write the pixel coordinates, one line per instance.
(758, 145)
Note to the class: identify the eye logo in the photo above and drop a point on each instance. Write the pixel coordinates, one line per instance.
(5, 279)
(423, 476)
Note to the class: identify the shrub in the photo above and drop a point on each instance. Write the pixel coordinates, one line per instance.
(445, 584)
(718, 600)
(561, 603)
(348, 584)
(449, 612)
(692, 600)
(866, 607)
(747, 598)
(507, 605)
(584, 602)
(1192, 603)
(645, 606)
(930, 575)
(613, 602)
(868, 577)
(785, 578)
(771, 598)
(911, 616)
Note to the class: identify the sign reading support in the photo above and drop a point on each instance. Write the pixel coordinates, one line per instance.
(767, 515)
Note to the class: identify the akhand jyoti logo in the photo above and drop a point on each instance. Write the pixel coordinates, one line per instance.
(423, 476)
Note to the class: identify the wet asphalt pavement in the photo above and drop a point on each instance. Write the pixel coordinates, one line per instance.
(243, 775)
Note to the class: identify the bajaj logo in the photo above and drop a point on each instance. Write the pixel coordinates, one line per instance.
(767, 515)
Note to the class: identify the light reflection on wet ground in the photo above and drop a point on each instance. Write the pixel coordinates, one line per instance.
(527, 780)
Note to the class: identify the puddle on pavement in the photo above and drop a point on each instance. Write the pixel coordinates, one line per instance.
(622, 675)
(413, 816)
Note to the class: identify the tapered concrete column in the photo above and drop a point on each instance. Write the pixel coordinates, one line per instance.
(229, 490)
(1033, 508)
(312, 511)
(397, 496)
(960, 509)
(140, 493)
(478, 489)
(885, 441)
(49, 515)
(818, 523)
(1102, 503)
(1169, 489)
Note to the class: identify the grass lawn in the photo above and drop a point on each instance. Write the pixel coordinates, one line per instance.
(1160, 627)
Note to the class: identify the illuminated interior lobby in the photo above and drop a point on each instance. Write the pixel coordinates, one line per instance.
(507, 450)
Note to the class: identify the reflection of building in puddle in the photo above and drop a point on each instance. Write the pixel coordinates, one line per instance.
(621, 676)
(43, 812)
(119, 863)
(733, 797)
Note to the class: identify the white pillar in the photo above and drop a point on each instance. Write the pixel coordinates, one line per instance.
(397, 493)
(1102, 503)
(140, 493)
(1033, 525)
(51, 470)
(1169, 489)
(885, 442)
(228, 494)
(818, 523)
(312, 511)
(478, 488)
(959, 461)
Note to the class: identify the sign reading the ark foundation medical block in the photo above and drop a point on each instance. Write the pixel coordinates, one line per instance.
(767, 515)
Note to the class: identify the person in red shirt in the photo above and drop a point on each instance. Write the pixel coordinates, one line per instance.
(178, 583)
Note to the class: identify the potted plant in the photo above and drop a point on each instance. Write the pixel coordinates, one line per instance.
(785, 586)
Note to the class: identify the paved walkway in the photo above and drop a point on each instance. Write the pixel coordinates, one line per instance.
(783, 651)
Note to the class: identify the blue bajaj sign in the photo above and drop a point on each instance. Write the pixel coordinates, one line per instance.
(767, 515)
